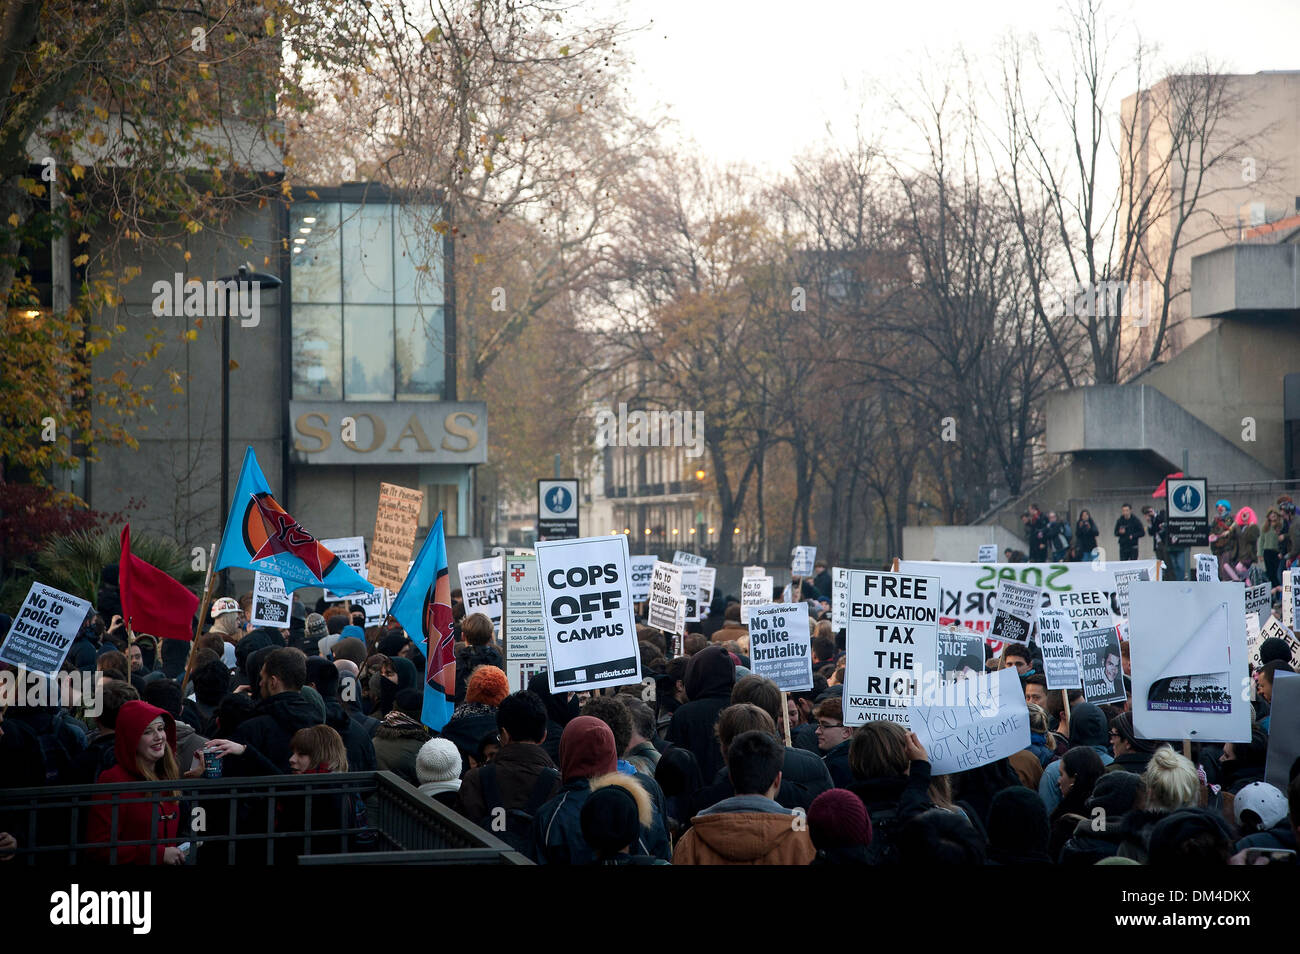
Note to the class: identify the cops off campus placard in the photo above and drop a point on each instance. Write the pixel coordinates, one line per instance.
(587, 607)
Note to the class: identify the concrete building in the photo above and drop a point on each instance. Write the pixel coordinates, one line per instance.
(1253, 178)
(344, 378)
(1227, 395)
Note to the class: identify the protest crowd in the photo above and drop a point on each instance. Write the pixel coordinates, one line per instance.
(700, 762)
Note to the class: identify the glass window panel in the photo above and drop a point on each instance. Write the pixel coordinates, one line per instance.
(417, 251)
(317, 353)
(317, 276)
(368, 352)
(421, 346)
(367, 253)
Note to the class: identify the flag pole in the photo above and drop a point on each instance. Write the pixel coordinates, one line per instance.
(203, 611)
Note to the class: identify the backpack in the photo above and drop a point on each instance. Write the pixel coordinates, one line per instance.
(518, 829)
(884, 824)
(55, 754)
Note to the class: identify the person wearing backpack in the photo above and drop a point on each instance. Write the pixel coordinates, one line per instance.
(510, 790)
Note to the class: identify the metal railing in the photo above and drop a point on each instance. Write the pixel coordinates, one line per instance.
(275, 819)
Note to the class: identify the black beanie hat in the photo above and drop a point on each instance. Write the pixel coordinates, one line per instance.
(1115, 793)
(609, 820)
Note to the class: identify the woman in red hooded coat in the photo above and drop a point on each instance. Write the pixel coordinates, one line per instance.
(146, 751)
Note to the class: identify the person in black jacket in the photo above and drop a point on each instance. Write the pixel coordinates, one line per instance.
(1085, 537)
(561, 709)
(710, 676)
(282, 710)
(834, 739)
(1100, 830)
(891, 772)
(1128, 530)
(1036, 533)
(803, 775)
(323, 676)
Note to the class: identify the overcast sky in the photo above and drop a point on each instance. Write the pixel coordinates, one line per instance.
(757, 81)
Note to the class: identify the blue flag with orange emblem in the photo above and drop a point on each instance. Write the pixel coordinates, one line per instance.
(423, 607)
(262, 537)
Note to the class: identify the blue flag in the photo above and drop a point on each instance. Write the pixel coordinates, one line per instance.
(261, 536)
(423, 607)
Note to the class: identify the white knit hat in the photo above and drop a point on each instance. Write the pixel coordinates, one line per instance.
(438, 761)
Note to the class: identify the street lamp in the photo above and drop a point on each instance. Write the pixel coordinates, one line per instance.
(263, 280)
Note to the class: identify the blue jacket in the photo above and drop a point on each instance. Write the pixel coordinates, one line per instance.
(557, 829)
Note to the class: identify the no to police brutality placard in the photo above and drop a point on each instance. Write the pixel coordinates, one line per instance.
(587, 607)
(893, 636)
(42, 634)
(779, 645)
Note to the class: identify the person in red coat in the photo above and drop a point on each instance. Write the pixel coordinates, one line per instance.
(146, 751)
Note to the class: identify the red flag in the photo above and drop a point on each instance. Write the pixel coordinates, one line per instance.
(152, 601)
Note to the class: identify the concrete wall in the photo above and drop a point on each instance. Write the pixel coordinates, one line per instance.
(1232, 373)
(176, 470)
(956, 544)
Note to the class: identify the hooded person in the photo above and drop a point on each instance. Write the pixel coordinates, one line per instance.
(1087, 727)
(612, 819)
(1018, 829)
(1131, 753)
(710, 676)
(398, 739)
(561, 709)
(1243, 762)
(1098, 833)
(588, 762)
(323, 676)
(145, 746)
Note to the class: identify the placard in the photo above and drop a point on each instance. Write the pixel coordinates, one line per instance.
(1102, 665)
(375, 605)
(1060, 648)
(667, 609)
(754, 571)
(641, 568)
(892, 643)
(682, 558)
(969, 589)
(480, 587)
(1207, 568)
(802, 560)
(992, 724)
(272, 606)
(779, 646)
(1283, 730)
(704, 594)
(396, 522)
(690, 592)
(960, 654)
(352, 551)
(1189, 661)
(1259, 601)
(988, 553)
(1017, 607)
(587, 608)
(754, 591)
(44, 629)
(1122, 580)
(839, 597)
(523, 626)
